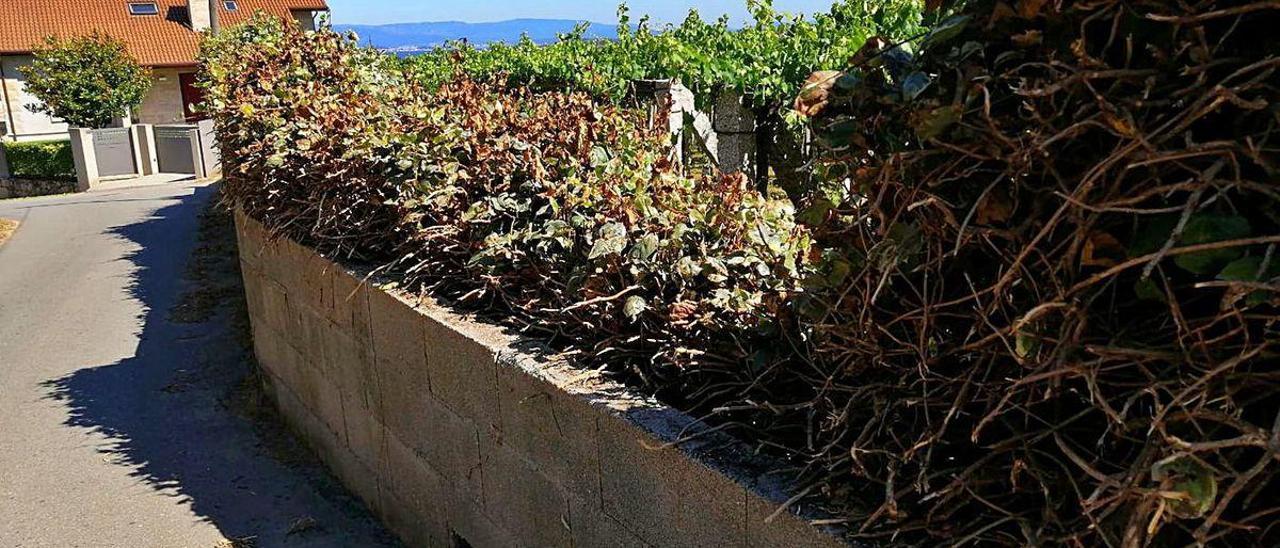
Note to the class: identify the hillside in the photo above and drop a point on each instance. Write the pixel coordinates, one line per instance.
(418, 36)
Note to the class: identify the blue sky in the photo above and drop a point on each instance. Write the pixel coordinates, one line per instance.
(603, 11)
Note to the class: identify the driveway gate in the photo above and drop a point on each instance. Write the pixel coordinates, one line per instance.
(187, 148)
(114, 152)
(174, 148)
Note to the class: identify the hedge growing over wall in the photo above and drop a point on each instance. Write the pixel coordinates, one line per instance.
(1034, 300)
(40, 160)
(560, 212)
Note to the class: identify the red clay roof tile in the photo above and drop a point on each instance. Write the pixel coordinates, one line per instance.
(154, 40)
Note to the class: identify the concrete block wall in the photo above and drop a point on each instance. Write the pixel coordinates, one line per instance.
(457, 434)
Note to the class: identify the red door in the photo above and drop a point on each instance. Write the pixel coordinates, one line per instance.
(192, 97)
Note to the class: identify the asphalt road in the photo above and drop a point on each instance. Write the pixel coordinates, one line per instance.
(115, 422)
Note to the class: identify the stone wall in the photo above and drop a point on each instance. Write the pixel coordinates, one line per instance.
(25, 188)
(458, 434)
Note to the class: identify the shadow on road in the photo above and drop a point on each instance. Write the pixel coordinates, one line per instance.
(175, 412)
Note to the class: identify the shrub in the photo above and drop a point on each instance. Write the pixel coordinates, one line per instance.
(40, 159)
(560, 211)
(87, 80)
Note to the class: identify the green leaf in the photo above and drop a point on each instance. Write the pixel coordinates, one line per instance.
(1192, 480)
(840, 270)
(645, 248)
(915, 84)
(1152, 235)
(944, 31)
(1249, 269)
(599, 157)
(935, 122)
(611, 240)
(634, 307)
(1148, 290)
(1204, 228)
(1026, 345)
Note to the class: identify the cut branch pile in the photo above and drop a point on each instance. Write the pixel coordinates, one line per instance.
(1055, 310)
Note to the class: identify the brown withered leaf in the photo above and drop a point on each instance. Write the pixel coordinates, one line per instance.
(1028, 39)
(1030, 9)
(1102, 249)
(996, 207)
(816, 92)
(1121, 124)
(1000, 12)
(871, 48)
(682, 310)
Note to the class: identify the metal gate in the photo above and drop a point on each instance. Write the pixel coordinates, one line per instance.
(174, 149)
(114, 152)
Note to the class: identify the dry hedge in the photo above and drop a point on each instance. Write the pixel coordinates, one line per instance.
(1059, 322)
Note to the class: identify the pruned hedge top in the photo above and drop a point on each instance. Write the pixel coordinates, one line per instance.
(563, 212)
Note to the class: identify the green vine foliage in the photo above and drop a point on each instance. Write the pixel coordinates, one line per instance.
(87, 80)
(767, 61)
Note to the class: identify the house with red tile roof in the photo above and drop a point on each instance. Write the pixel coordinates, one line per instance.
(161, 34)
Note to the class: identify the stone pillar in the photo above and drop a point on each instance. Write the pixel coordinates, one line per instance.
(197, 156)
(209, 153)
(144, 140)
(701, 131)
(85, 159)
(683, 107)
(656, 95)
(735, 129)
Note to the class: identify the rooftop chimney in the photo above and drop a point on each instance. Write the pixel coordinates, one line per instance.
(204, 14)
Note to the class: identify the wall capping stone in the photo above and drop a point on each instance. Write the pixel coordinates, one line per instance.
(452, 429)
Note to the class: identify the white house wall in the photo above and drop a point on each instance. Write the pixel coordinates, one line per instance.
(24, 125)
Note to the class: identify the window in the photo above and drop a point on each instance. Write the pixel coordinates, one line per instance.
(143, 8)
(230, 5)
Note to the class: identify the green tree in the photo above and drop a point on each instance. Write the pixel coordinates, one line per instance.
(87, 80)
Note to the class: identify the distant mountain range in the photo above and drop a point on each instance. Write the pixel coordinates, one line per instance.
(411, 37)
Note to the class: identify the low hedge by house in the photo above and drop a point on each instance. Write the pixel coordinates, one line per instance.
(48, 160)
